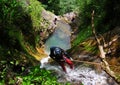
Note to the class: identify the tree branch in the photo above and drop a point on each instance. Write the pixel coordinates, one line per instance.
(105, 64)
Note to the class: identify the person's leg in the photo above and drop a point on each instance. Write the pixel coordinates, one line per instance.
(71, 66)
(63, 66)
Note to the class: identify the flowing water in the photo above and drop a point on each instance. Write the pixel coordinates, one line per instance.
(60, 37)
(81, 73)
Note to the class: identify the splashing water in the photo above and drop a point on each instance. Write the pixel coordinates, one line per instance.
(80, 74)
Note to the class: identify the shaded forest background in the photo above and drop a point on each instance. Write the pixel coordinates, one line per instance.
(20, 27)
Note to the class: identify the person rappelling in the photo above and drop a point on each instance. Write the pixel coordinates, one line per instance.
(61, 57)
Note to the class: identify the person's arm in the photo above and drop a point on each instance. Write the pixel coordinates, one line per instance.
(53, 57)
(67, 55)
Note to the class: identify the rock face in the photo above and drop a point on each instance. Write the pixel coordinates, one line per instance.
(48, 25)
(50, 21)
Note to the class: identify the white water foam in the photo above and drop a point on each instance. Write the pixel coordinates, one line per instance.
(87, 76)
(44, 61)
(80, 74)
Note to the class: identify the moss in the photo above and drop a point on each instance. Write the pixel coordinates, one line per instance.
(19, 26)
(35, 8)
(82, 35)
(91, 49)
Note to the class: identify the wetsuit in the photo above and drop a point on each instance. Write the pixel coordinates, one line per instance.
(61, 57)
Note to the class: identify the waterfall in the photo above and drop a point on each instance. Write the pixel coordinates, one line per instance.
(80, 74)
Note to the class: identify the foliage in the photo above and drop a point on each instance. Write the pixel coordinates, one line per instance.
(68, 6)
(20, 24)
(52, 5)
(16, 31)
(104, 19)
(38, 76)
(64, 6)
(32, 76)
(83, 34)
(86, 8)
(34, 10)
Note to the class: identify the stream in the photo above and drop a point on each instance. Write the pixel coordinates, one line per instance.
(60, 37)
(81, 74)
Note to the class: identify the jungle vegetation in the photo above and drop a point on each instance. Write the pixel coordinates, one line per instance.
(20, 24)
